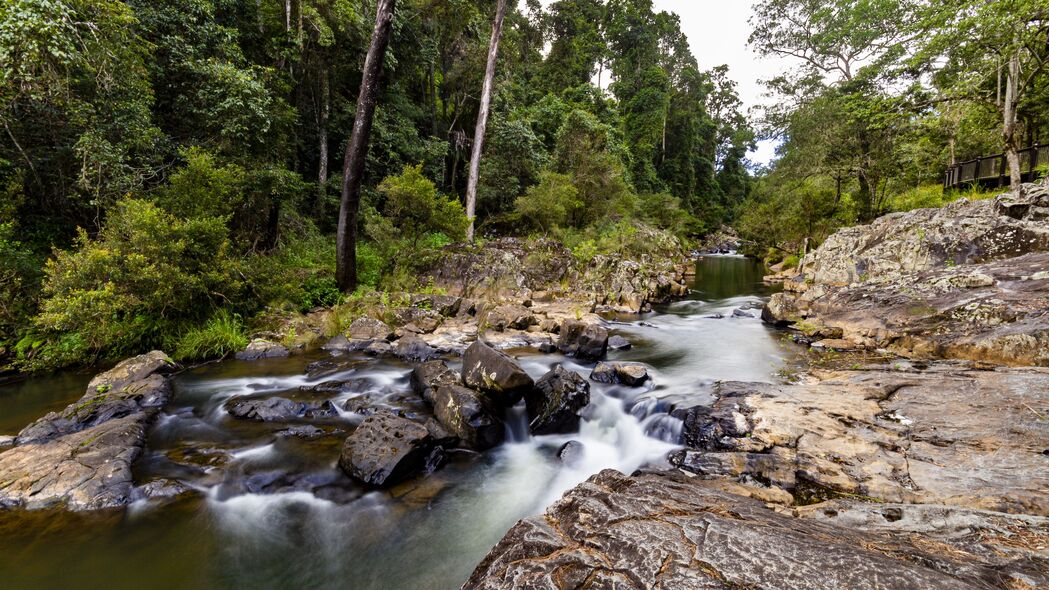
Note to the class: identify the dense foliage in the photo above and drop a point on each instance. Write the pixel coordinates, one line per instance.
(169, 169)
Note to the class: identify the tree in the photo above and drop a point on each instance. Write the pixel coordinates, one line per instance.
(482, 116)
(980, 43)
(357, 149)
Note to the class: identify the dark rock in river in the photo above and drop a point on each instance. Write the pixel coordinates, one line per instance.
(618, 343)
(467, 415)
(571, 453)
(739, 313)
(386, 449)
(495, 374)
(632, 374)
(160, 489)
(413, 348)
(667, 531)
(279, 409)
(430, 375)
(306, 431)
(262, 349)
(555, 402)
(584, 341)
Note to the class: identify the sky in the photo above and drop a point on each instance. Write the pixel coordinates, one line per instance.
(717, 31)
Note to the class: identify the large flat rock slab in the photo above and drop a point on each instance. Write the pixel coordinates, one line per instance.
(943, 434)
(665, 531)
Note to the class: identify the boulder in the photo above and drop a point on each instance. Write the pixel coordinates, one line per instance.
(554, 404)
(425, 378)
(666, 530)
(86, 469)
(502, 317)
(423, 320)
(260, 348)
(495, 374)
(369, 329)
(583, 341)
(413, 348)
(571, 453)
(386, 449)
(135, 385)
(632, 374)
(618, 343)
(467, 415)
(446, 305)
(378, 348)
(279, 409)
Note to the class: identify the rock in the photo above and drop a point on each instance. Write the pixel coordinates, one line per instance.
(495, 374)
(87, 469)
(502, 317)
(403, 404)
(279, 409)
(306, 431)
(6, 441)
(571, 453)
(913, 435)
(446, 305)
(670, 531)
(618, 343)
(338, 343)
(583, 341)
(834, 344)
(261, 348)
(554, 404)
(160, 489)
(386, 449)
(423, 320)
(739, 313)
(358, 385)
(632, 374)
(369, 329)
(510, 267)
(425, 378)
(134, 385)
(378, 348)
(413, 348)
(467, 415)
(774, 468)
(547, 347)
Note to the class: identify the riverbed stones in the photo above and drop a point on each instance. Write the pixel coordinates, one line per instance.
(260, 348)
(582, 340)
(495, 373)
(618, 343)
(413, 348)
(556, 401)
(667, 531)
(469, 416)
(279, 409)
(427, 377)
(386, 449)
(365, 328)
(632, 374)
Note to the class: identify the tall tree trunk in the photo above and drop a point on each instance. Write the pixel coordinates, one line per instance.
(357, 149)
(322, 130)
(482, 117)
(1012, 98)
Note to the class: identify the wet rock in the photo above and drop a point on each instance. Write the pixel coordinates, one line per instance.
(279, 409)
(632, 374)
(739, 313)
(359, 385)
(406, 405)
(618, 343)
(87, 469)
(425, 378)
(378, 348)
(571, 453)
(338, 343)
(413, 348)
(698, 429)
(6, 441)
(670, 531)
(547, 347)
(134, 385)
(775, 468)
(555, 403)
(261, 348)
(306, 431)
(495, 374)
(583, 341)
(386, 449)
(369, 329)
(160, 489)
(468, 416)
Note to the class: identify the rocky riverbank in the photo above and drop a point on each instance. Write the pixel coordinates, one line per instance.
(929, 471)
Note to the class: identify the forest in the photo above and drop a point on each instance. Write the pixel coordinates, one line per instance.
(172, 172)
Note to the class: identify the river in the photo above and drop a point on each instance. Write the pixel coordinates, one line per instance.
(275, 512)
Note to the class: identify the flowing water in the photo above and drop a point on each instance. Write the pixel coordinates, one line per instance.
(275, 512)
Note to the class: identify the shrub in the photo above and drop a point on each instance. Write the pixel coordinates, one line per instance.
(221, 335)
(549, 205)
(147, 274)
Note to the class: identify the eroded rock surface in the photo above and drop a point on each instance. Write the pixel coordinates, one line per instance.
(554, 405)
(944, 435)
(386, 449)
(495, 373)
(583, 340)
(279, 409)
(468, 416)
(667, 531)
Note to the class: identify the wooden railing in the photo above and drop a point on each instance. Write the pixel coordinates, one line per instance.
(993, 171)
